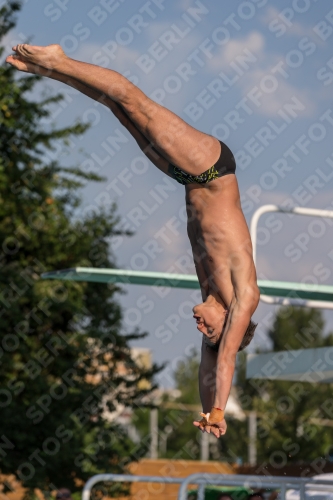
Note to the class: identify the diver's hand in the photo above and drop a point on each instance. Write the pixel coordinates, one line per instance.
(212, 422)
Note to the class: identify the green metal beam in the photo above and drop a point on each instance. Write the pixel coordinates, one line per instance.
(296, 290)
(272, 288)
(124, 276)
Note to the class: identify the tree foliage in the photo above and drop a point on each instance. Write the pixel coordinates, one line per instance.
(64, 358)
(178, 438)
(286, 433)
(287, 429)
(184, 438)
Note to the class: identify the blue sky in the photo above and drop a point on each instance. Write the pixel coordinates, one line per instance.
(259, 76)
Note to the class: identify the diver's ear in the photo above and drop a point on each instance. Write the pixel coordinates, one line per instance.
(225, 321)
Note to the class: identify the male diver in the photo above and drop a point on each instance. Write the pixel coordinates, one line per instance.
(220, 240)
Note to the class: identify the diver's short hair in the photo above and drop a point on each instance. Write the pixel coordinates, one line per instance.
(248, 335)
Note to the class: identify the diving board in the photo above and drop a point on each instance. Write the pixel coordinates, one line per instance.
(125, 276)
(288, 290)
(271, 292)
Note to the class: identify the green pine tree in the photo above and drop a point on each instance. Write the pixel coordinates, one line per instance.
(62, 344)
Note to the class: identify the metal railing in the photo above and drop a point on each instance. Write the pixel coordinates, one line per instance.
(125, 478)
(310, 212)
(255, 482)
(203, 480)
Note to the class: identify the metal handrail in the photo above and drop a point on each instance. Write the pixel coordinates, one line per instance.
(124, 478)
(277, 482)
(310, 212)
(202, 480)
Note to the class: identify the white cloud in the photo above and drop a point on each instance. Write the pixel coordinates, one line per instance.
(254, 43)
(272, 102)
(257, 74)
(124, 57)
(189, 42)
(292, 27)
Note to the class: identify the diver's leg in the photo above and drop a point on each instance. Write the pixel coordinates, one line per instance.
(178, 142)
(143, 143)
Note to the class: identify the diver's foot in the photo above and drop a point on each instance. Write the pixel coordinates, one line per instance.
(30, 57)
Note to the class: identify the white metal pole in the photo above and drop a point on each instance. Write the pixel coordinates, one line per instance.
(204, 446)
(252, 435)
(309, 212)
(201, 491)
(154, 433)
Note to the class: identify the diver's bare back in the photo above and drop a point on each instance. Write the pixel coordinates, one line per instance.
(220, 238)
